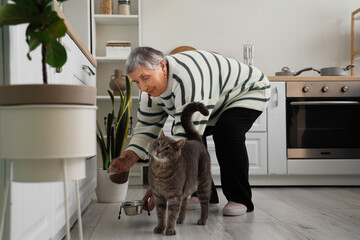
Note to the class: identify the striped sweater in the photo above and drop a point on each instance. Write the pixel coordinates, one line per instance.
(218, 82)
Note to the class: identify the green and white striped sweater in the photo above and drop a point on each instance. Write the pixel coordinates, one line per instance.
(218, 82)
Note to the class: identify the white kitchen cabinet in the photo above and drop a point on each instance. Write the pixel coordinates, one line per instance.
(256, 143)
(276, 121)
(109, 28)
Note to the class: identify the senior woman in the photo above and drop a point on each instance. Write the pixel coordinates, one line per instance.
(234, 93)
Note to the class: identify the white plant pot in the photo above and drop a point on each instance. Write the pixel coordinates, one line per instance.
(107, 191)
(44, 130)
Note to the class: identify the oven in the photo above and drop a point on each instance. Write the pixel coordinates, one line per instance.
(323, 120)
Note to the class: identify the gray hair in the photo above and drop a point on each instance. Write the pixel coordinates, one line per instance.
(144, 56)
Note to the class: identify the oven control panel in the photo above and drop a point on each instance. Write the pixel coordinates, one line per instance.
(323, 89)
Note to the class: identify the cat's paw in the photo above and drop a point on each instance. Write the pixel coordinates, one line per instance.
(158, 229)
(170, 231)
(202, 221)
(179, 221)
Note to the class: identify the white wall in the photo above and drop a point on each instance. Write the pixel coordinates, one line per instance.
(297, 34)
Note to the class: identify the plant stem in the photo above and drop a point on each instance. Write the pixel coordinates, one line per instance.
(43, 52)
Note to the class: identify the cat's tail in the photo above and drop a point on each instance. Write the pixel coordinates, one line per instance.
(186, 122)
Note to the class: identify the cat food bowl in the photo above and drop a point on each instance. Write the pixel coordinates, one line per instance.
(132, 208)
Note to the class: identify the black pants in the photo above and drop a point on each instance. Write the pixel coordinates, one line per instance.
(229, 137)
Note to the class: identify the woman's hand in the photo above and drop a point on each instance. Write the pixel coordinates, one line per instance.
(125, 161)
(148, 199)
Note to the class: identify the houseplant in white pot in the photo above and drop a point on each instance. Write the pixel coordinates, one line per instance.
(47, 130)
(111, 186)
(48, 121)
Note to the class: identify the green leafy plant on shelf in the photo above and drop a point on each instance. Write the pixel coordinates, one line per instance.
(44, 29)
(116, 127)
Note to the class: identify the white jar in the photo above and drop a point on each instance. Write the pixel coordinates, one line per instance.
(124, 7)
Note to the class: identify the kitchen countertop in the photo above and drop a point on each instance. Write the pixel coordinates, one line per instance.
(312, 78)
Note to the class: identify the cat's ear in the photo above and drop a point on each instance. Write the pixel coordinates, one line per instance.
(180, 143)
(161, 134)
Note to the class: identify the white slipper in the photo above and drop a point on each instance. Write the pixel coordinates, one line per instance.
(234, 209)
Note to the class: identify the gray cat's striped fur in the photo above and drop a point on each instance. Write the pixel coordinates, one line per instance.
(176, 170)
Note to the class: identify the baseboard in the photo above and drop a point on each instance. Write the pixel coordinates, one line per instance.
(300, 180)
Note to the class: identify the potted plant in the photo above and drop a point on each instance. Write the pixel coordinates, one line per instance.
(117, 125)
(48, 121)
(44, 29)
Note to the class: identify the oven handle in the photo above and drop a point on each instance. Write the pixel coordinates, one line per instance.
(325, 103)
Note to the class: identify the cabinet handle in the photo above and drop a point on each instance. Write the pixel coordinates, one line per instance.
(276, 97)
(88, 69)
(306, 103)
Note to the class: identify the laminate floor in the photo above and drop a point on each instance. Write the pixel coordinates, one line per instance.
(319, 213)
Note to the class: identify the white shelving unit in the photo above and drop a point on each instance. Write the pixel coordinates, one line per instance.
(108, 28)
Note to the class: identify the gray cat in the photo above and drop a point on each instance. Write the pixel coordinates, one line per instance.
(176, 170)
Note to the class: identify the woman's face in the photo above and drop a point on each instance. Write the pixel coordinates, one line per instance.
(152, 81)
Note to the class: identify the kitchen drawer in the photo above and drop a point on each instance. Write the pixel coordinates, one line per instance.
(77, 70)
(83, 72)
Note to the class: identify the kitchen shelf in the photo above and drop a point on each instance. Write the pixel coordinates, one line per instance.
(109, 59)
(355, 53)
(107, 98)
(119, 20)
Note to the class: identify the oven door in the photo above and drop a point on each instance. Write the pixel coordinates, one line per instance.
(323, 128)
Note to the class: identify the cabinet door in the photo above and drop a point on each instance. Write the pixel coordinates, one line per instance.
(256, 144)
(31, 212)
(277, 129)
(77, 69)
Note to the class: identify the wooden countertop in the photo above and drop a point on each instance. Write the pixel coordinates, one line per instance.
(74, 36)
(312, 78)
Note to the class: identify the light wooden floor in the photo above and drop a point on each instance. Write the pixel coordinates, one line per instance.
(280, 213)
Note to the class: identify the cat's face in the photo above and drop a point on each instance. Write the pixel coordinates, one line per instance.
(164, 149)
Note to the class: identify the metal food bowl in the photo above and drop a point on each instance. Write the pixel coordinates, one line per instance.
(132, 208)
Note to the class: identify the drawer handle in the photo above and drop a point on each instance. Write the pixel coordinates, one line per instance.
(89, 70)
(299, 103)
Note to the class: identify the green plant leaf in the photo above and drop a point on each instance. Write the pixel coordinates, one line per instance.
(57, 28)
(29, 5)
(11, 14)
(123, 118)
(121, 132)
(127, 98)
(102, 145)
(56, 54)
(102, 149)
(112, 102)
(109, 125)
(112, 143)
(33, 44)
